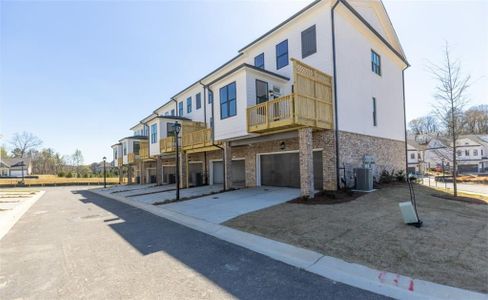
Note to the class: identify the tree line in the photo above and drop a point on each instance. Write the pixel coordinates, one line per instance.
(47, 161)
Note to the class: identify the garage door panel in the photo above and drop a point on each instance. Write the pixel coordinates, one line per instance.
(280, 170)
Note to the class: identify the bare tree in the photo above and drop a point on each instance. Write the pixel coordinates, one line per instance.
(23, 143)
(423, 125)
(450, 95)
(475, 120)
(77, 159)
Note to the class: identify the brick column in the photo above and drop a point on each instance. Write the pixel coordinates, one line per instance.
(228, 165)
(142, 172)
(306, 162)
(250, 167)
(121, 175)
(183, 170)
(129, 174)
(159, 170)
(329, 160)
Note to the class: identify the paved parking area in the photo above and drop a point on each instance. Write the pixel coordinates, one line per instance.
(221, 207)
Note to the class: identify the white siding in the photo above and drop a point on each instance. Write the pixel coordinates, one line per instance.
(357, 84)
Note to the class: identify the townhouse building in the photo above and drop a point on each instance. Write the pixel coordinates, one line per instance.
(433, 151)
(300, 106)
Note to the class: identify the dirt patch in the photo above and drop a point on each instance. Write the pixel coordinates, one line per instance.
(328, 198)
(451, 248)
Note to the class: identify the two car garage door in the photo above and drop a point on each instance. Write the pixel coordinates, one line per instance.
(283, 169)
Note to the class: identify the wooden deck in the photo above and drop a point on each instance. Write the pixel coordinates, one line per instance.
(310, 105)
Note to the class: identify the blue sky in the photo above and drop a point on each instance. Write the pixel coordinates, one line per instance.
(79, 74)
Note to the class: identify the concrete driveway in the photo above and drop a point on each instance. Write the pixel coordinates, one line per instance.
(221, 207)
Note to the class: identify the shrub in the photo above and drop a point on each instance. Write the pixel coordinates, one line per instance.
(61, 174)
(386, 177)
(69, 175)
(400, 176)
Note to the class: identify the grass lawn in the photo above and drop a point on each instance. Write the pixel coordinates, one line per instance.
(451, 248)
(53, 179)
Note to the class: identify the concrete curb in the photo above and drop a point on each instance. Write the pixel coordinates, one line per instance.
(379, 282)
(8, 220)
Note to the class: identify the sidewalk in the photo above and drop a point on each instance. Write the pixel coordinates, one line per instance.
(481, 189)
(13, 204)
(380, 282)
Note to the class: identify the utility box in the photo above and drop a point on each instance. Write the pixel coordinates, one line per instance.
(364, 179)
(408, 212)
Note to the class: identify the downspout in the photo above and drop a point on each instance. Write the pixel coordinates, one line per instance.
(176, 105)
(213, 134)
(335, 96)
(405, 121)
(205, 172)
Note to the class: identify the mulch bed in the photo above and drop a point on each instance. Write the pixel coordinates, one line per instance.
(328, 198)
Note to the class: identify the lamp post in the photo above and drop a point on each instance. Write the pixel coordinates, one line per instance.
(177, 128)
(104, 173)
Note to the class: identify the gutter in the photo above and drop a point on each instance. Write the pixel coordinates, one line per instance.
(335, 95)
(176, 105)
(213, 133)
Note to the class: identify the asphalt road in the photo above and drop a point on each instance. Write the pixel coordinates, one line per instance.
(75, 244)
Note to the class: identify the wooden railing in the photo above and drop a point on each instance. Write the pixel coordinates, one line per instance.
(131, 158)
(309, 105)
(120, 161)
(144, 150)
(167, 144)
(197, 139)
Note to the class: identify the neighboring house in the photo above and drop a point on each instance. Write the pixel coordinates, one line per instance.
(472, 152)
(15, 167)
(319, 92)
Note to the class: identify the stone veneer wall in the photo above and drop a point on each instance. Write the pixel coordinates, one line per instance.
(388, 154)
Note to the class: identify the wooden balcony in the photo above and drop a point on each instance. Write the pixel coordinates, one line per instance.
(131, 158)
(310, 105)
(167, 144)
(120, 161)
(144, 150)
(198, 140)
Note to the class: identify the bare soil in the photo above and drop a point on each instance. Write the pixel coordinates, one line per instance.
(451, 248)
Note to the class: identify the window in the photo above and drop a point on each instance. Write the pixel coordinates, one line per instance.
(228, 101)
(259, 61)
(481, 152)
(125, 148)
(374, 112)
(418, 156)
(261, 91)
(466, 152)
(137, 147)
(282, 54)
(475, 152)
(180, 109)
(375, 63)
(459, 153)
(211, 122)
(198, 100)
(115, 153)
(154, 133)
(173, 112)
(309, 42)
(170, 129)
(210, 97)
(188, 105)
(412, 155)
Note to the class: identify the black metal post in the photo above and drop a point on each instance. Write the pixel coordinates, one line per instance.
(104, 175)
(177, 131)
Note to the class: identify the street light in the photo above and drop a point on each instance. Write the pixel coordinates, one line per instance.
(177, 128)
(104, 174)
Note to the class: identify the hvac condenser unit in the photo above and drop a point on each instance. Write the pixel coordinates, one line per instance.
(364, 179)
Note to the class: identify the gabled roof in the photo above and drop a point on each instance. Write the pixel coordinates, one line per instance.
(134, 137)
(15, 162)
